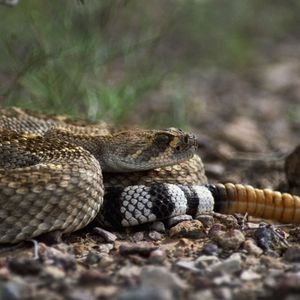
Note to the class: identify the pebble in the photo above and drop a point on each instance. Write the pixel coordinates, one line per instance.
(158, 226)
(142, 248)
(54, 272)
(272, 263)
(138, 236)
(204, 294)
(205, 261)
(251, 247)
(106, 235)
(249, 275)
(211, 249)
(80, 295)
(93, 257)
(161, 277)
(146, 293)
(268, 238)
(231, 265)
(177, 219)
(189, 229)
(188, 265)
(130, 271)
(229, 240)
(157, 256)
(206, 220)
(106, 261)
(223, 293)
(12, 290)
(93, 276)
(59, 257)
(25, 266)
(155, 236)
(105, 248)
(292, 254)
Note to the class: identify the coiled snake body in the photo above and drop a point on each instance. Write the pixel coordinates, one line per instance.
(52, 169)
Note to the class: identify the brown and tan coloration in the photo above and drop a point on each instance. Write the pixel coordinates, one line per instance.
(50, 182)
(51, 173)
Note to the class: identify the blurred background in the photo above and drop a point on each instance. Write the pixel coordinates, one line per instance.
(228, 70)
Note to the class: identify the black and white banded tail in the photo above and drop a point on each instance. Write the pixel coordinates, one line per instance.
(140, 204)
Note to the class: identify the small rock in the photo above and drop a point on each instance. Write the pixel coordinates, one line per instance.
(161, 277)
(229, 240)
(91, 277)
(177, 219)
(206, 220)
(268, 238)
(105, 261)
(59, 256)
(205, 261)
(155, 236)
(138, 236)
(252, 248)
(223, 293)
(146, 293)
(142, 248)
(25, 266)
(228, 266)
(158, 226)
(249, 275)
(80, 295)
(106, 235)
(204, 294)
(215, 228)
(289, 284)
(130, 271)
(225, 279)
(93, 257)
(228, 221)
(189, 229)
(292, 254)
(211, 249)
(54, 272)
(12, 290)
(188, 265)
(157, 256)
(272, 263)
(105, 248)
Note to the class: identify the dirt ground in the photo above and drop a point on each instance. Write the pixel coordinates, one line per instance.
(246, 126)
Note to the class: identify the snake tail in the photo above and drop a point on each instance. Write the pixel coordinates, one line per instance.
(232, 198)
(139, 204)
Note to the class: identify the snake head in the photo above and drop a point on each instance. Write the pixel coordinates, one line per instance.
(137, 150)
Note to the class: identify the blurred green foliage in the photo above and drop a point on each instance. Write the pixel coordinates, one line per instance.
(101, 59)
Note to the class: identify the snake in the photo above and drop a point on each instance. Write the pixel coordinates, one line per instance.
(60, 174)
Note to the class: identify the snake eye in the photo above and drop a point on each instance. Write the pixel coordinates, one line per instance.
(162, 139)
(186, 139)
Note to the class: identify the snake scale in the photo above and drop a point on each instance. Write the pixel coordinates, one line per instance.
(58, 174)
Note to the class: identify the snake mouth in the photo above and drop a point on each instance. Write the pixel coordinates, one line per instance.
(117, 164)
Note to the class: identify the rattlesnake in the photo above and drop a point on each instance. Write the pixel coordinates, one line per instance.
(52, 170)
